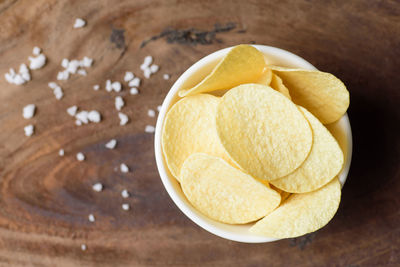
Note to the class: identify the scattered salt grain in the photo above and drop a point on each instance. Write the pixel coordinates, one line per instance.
(37, 62)
(134, 82)
(96, 87)
(119, 102)
(86, 62)
(108, 86)
(82, 72)
(91, 218)
(73, 66)
(79, 23)
(63, 75)
(83, 247)
(36, 51)
(116, 86)
(124, 168)
(78, 123)
(65, 63)
(125, 193)
(72, 110)
(18, 80)
(123, 118)
(29, 129)
(149, 129)
(151, 113)
(154, 68)
(134, 91)
(61, 152)
(111, 144)
(58, 93)
(159, 108)
(128, 76)
(52, 85)
(97, 187)
(80, 156)
(125, 206)
(146, 63)
(83, 116)
(94, 116)
(166, 76)
(147, 73)
(28, 111)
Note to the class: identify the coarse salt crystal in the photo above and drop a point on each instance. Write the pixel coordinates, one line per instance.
(64, 63)
(108, 86)
(52, 85)
(58, 93)
(123, 118)
(134, 82)
(154, 68)
(9, 77)
(125, 193)
(111, 144)
(124, 168)
(147, 73)
(116, 86)
(91, 218)
(149, 129)
(97, 187)
(61, 152)
(146, 62)
(18, 80)
(86, 62)
(28, 111)
(72, 110)
(96, 87)
(80, 156)
(37, 62)
(83, 247)
(151, 113)
(29, 130)
(166, 76)
(36, 51)
(134, 91)
(63, 75)
(94, 116)
(79, 23)
(23, 68)
(119, 102)
(26, 76)
(83, 116)
(125, 206)
(159, 108)
(128, 76)
(82, 72)
(73, 66)
(78, 123)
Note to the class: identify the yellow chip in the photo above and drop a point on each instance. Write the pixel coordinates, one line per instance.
(266, 77)
(189, 127)
(263, 131)
(277, 84)
(284, 194)
(321, 93)
(223, 192)
(242, 64)
(322, 164)
(301, 213)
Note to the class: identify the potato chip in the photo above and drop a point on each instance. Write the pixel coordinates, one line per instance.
(324, 95)
(242, 64)
(223, 192)
(266, 77)
(322, 164)
(277, 84)
(189, 127)
(284, 194)
(263, 131)
(301, 214)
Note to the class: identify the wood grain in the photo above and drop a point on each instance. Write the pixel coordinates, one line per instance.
(45, 199)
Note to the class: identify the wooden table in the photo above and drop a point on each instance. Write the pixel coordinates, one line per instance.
(45, 199)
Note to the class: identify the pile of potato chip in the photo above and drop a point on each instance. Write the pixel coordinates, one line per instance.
(260, 152)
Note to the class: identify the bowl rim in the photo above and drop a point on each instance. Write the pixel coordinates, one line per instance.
(162, 168)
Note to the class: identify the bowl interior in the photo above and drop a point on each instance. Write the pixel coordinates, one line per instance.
(274, 56)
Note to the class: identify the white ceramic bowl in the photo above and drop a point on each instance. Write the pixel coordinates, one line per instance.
(275, 56)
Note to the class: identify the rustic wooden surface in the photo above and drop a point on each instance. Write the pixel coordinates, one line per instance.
(45, 199)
